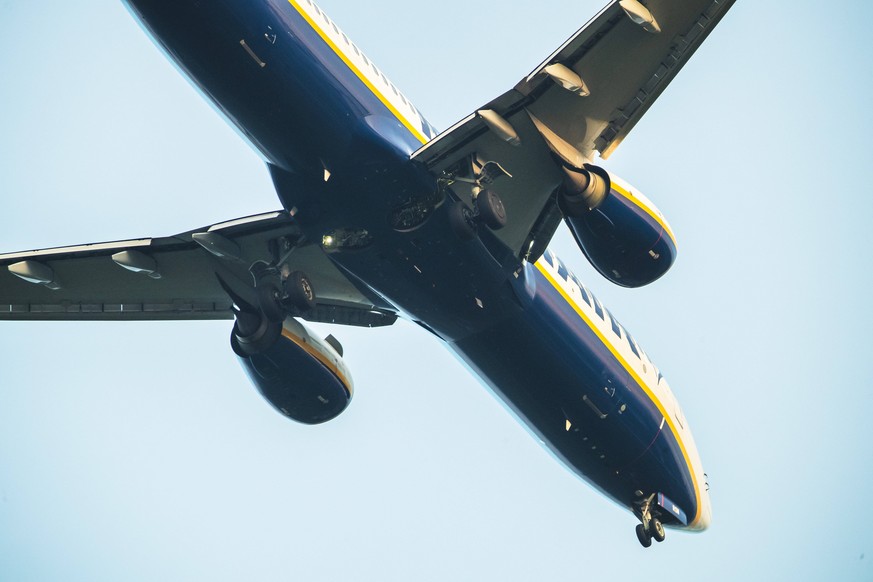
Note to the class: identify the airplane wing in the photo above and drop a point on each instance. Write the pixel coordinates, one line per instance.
(586, 97)
(174, 278)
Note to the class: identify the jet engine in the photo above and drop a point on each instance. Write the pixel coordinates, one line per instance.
(623, 235)
(302, 376)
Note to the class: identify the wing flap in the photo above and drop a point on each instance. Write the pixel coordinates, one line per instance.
(625, 67)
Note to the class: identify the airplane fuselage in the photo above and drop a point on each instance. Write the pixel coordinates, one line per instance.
(337, 137)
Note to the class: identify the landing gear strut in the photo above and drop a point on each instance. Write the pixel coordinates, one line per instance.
(651, 527)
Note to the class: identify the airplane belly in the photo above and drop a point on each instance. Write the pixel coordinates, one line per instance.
(270, 74)
(557, 377)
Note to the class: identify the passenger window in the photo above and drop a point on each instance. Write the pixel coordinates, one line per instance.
(615, 327)
(597, 308)
(584, 294)
(549, 258)
(632, 344)
(562, 271)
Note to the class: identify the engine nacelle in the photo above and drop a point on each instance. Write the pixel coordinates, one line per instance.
(623, 235)
(302, 376)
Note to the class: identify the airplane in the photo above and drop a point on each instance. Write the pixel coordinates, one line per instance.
(384, 217)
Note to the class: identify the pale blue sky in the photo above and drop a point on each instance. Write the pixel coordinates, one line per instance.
(141, 452)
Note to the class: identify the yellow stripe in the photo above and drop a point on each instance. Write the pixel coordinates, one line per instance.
(309, 349)
(363, 77)
(647, 210)
(638, 380)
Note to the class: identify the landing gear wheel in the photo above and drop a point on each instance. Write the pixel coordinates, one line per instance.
(299, 292)
(656, 528)
(269, 300)
(491, 210)
(461, 221)
(643, 536)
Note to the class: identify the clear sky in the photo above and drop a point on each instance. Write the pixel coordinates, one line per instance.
(141, 452)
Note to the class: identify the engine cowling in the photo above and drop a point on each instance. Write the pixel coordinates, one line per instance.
(300, 375)
(623, 235)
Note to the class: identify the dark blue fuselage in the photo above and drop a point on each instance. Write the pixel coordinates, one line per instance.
(270, 70)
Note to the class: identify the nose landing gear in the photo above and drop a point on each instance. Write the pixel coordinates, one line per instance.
(651, 527)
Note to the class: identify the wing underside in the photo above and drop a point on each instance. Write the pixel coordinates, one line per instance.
(583, 100)
(174, 278)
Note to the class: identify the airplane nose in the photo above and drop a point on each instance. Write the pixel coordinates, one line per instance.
(705, 514)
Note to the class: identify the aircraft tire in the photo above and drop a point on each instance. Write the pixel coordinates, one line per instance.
(491, 210)
(643, 536)
(460, 220)
(299, 291)
(657, 530)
